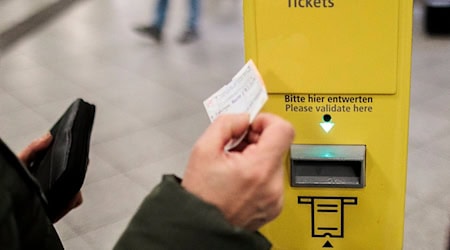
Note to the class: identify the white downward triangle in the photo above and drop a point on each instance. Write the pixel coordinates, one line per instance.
(327, 126)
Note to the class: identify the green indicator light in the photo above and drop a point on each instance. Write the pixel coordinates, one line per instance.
(327, 123)
(327, 155)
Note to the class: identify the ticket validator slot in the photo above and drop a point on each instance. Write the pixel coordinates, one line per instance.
(338, 166)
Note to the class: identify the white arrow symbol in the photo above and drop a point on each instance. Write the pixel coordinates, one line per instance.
(327, 126)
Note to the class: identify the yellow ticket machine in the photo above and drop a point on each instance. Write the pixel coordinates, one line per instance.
(339, 71)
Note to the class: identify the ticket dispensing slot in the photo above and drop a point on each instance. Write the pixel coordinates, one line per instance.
(328, 166)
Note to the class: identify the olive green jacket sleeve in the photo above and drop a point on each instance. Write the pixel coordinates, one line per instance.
(23, 220)
(172, 218)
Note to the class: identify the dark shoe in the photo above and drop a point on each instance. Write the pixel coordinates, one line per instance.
(150, 31)
(188, 36)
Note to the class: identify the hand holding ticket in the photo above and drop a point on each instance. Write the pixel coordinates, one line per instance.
(245, 93)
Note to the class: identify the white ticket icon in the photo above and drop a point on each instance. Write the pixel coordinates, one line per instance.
(245, 93)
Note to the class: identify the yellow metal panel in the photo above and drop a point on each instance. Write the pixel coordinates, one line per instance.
(376, 221)
(327, 46)
(351, 61)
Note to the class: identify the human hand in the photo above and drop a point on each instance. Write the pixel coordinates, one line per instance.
(75, 202)
(30, 153)
(246, 184)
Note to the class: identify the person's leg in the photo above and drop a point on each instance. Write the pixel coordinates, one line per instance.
(191, 32)
(194, 12)
(160, 14)
(154, 30)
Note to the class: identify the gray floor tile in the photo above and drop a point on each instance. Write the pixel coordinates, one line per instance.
(21, 122)
(426, 228)
(424, 127)
(150, 173)
(187, 129)
(65, 232)
(151, 103)
(9, 103)
(98, 170)
(106, 237)
(428, 178)
(110, 121)
(15, 11)
(77, 243)
(103, 204)
(17, 79)
(137, 148)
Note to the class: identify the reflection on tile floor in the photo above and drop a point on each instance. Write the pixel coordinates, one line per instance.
(149, 101)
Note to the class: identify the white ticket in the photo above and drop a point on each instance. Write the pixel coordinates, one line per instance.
(245, 93)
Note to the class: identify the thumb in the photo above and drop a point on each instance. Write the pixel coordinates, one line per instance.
(224, 129)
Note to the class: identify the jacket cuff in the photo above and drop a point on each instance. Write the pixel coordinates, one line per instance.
(172, 218)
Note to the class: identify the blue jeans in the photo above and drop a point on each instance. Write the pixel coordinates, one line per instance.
(161, 10)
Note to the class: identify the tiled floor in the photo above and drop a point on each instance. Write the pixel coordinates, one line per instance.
(149, 108)
(15, 11)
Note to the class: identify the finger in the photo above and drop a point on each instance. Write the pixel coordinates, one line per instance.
(75, 202)
(253, 136)
(240, 147)
(224, 129)
(27, 155)
(272, 134)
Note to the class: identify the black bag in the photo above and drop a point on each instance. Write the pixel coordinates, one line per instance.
(61, 168)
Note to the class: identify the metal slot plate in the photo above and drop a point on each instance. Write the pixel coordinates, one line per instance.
(328, 166)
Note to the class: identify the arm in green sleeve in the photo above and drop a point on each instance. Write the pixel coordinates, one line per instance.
(172, 218)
